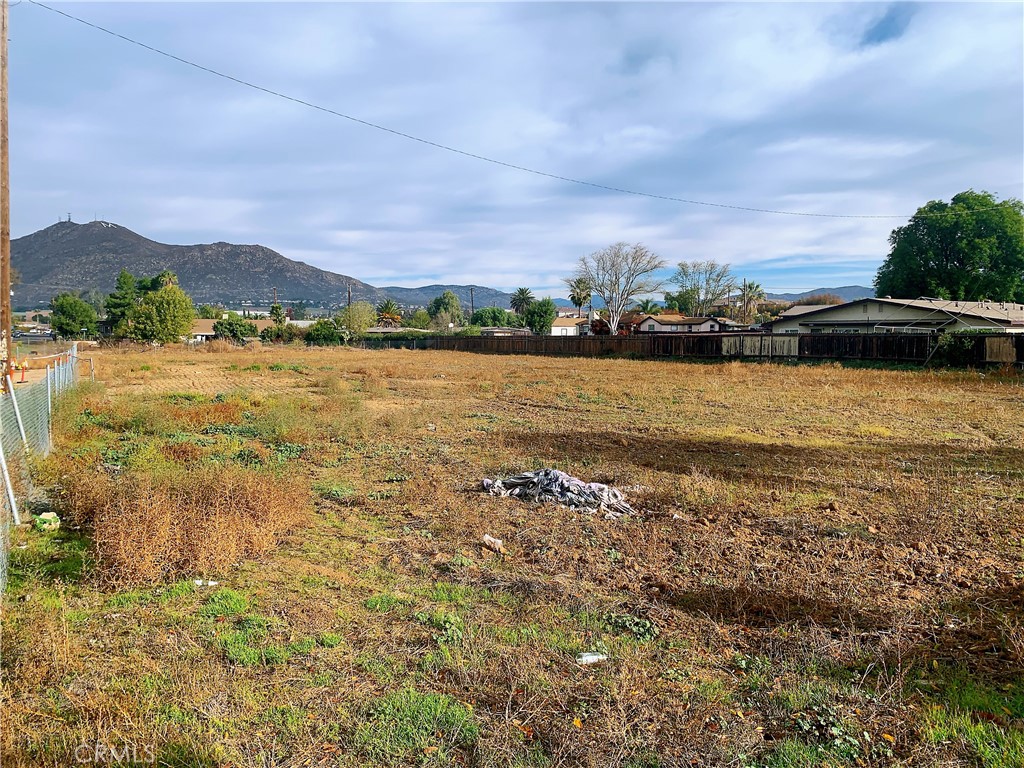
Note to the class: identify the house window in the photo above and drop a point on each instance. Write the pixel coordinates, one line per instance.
(565, 331)
(689, 328)
(864, 308)
(675, 327)
(650, 326)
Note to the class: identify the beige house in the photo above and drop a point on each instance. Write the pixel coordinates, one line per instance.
(569, 326)
(668, 323)
(902, 316)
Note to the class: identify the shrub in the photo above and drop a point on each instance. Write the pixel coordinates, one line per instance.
(151, 526)
(323, 333)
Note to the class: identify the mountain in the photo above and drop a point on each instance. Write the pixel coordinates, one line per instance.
(846, 293)
(69, 257)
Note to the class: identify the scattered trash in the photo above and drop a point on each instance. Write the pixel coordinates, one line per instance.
(493, 544)
(554, 485)
(206, 583)
(590, 657)
(47, 521)
(432, 427)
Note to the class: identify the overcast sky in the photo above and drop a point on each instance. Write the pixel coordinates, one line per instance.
(857, 108)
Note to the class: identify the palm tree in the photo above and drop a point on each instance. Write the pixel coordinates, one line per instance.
(648, 307)
(521, 299)
(580, 292)
(751, 294)
(389, 315)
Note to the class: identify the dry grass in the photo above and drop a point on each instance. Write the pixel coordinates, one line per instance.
(827, 569)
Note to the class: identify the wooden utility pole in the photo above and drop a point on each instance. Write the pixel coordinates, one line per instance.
(472, 308)
(6, 347)
(275, 295)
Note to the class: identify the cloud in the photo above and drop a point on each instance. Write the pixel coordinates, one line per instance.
(824, 108)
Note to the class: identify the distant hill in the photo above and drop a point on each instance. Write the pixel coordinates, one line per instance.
(846, 293)
(68, 257)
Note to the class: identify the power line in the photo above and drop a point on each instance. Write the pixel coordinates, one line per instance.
(473, 155)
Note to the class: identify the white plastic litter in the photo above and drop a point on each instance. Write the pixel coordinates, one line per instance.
(206, 583)
(591, 658)
(556, 486)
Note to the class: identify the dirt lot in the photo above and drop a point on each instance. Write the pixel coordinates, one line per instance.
(827, 568)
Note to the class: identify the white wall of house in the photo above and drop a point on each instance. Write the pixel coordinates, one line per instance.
(654, 324)
(871, 316)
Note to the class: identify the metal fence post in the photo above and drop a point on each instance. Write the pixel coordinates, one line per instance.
(49, 397)
(17, 411)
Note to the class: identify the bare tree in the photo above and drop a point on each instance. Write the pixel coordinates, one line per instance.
(705, 282)
(620, 273)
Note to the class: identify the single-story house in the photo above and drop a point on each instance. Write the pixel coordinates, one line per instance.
(903, 316)
(670, 323)
(202, 329)
(569, 326)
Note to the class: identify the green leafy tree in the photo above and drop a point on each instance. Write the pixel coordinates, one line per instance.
(277, 314)
(419, 319)
(323, 333)
(299, 310)
(73, 317)
(447, 303)
(492, 317)
(445, 322)
(521, 299)
(163, 316)
(648, 307)
(540, 315)
(681, 301)
(358, 317)
(389, 314)
(282, 334)
(235, 328)
(210, 312)
(580, 293)
(969, 249)
(121, 301)
(751, 296)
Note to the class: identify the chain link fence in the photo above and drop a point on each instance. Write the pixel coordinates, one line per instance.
(26, 431)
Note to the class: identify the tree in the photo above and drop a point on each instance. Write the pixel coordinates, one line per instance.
(620, 273)
(969, 249)
(210, 312)
(448, 303)
(540, 315)
(521, 299)
(282, 334)
(681, 302)
(73, 317)
(648, 307)
(419, 319)
(444, 322)
(389, 315)
(299, 310)
(323, 333)
(277, 314)
(751, 295)
(163, 316)
(704, 283)
(491, 317)
(358, 317)
(580, 293)
(121, 301)
(235, 328)
(818, 299)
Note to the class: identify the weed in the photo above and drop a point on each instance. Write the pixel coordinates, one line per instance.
(641, 629)
(408, 725)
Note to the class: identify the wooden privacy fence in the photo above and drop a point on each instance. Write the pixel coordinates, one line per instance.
(887, 347)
